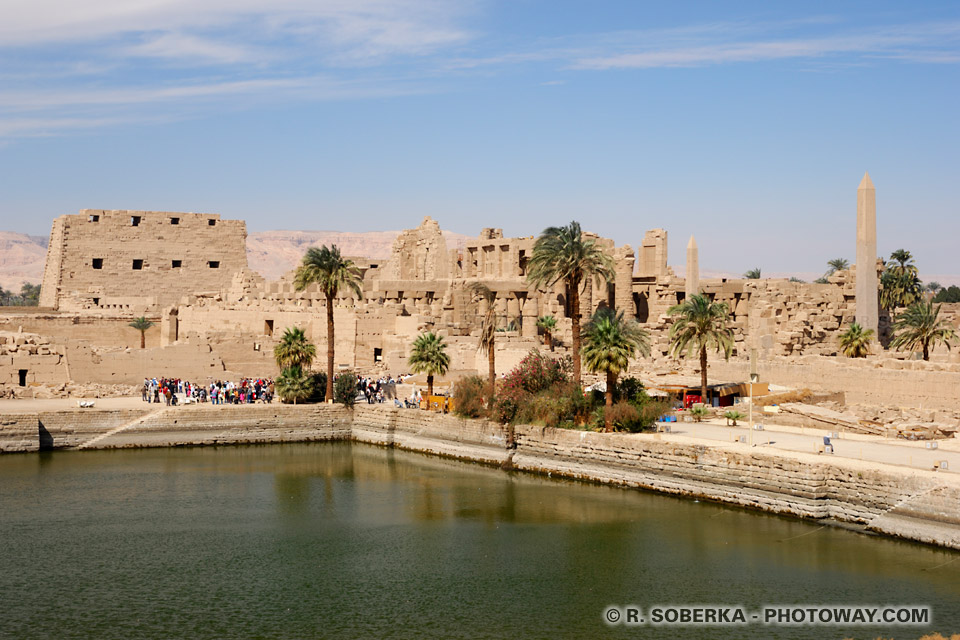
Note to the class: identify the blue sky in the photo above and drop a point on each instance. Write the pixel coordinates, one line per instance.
(749, 124)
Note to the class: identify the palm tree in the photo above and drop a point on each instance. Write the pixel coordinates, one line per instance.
(562, 253)
(332, 272)
(429, 355)
(488, 334)
(701, 324)
(920, 327)
(294, 350)
(609, 344)
(855, 341)
(934, 287)
(900, 283)
(141, 324)
(752, 274)
(293, 385)
(837, 264)
(548, 324)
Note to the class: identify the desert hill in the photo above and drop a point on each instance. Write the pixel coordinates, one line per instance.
(270, 253)
(21, 259)
(273, 253)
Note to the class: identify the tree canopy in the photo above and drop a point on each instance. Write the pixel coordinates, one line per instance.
(564, 254)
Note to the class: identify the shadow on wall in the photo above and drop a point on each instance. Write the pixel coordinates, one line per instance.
(46, 440)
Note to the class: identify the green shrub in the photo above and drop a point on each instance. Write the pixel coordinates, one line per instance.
(699, 413)
(345, 389)
(471, 397)
(630, 390)
(733, 416)
(319, 381)
(535, 373)
(562, 405)
(293, 385)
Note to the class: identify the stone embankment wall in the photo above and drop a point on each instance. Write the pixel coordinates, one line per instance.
(917, 505)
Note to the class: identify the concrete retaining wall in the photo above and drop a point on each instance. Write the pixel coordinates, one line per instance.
(917, 505)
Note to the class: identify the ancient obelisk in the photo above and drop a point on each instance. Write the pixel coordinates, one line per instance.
(868, 311)
(692, 275)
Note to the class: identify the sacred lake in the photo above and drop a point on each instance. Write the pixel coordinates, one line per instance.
(347, 540)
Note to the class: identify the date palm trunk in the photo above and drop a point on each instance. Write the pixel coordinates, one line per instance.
(575, 326)
(703, 375)
(329, 391)
(608, 402)
(492, 372)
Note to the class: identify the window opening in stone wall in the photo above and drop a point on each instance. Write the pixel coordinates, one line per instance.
(212, 222)
(174, 220)
(214, 264)
(134, 221)
(137, 265)
(94, 218)
(268, 328)
(23, 377)
(98, 263)
(176, 264)
(377, 354)
(96, 302)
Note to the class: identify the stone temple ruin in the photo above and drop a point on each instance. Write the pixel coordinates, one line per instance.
(217, 318)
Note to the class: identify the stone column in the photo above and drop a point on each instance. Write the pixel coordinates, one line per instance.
(623, 282)
(692, 276)
(868, 311)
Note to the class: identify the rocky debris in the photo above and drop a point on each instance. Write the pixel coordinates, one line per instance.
(22, 344)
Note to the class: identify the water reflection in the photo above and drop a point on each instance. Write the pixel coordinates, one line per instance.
(341, 540)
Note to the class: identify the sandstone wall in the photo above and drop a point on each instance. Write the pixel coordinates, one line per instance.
(106, 332)
(135, 262)
(884, 383)
(28, 358)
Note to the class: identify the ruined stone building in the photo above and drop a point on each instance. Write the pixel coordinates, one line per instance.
(138, 262)
(217, 318)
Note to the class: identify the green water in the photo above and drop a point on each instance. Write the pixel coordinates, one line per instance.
(352, 541)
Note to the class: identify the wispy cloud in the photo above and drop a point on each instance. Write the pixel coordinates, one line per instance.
(930, 43)
(67, 65)
(118, 62)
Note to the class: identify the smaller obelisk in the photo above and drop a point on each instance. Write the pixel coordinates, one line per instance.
(692, 275)
(868, 309)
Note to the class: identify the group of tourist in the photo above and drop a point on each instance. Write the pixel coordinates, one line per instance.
(169, 390)
(376, 391)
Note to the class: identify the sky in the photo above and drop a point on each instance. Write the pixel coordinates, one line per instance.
(749, 124)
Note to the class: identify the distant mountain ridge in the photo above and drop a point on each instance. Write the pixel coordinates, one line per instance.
(274, 253)
(270, 253)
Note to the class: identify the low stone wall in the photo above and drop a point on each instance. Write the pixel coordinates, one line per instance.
(917, 505)
(438, 434)
(19, 433)
(241, 424)
(66, 429)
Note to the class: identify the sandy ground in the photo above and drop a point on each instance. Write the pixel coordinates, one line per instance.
(31, 405)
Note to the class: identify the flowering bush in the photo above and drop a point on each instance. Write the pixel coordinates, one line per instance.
(536, 374)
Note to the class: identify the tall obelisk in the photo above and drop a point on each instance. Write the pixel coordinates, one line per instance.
(692, 275)
(868, 312)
